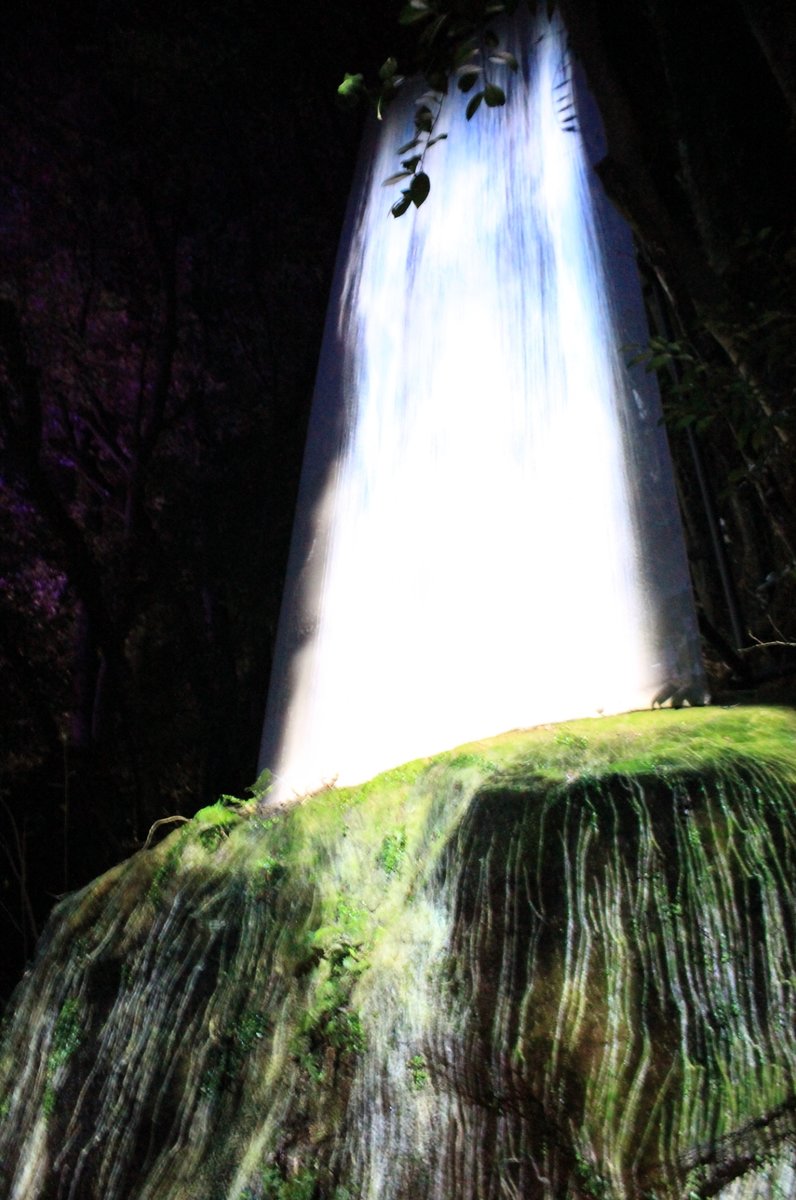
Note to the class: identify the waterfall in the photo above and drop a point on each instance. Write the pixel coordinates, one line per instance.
(553, 964)
(487, 503)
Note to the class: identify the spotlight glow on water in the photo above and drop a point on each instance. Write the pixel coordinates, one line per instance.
(487, 536)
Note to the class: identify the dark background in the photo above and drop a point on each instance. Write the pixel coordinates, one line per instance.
(173, 181)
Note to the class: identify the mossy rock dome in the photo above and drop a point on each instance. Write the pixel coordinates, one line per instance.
(559, 963)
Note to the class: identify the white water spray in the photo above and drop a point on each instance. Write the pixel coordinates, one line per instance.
(487, 536)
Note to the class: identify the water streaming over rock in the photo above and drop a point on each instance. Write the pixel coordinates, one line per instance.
(555, 965)
(487, 500)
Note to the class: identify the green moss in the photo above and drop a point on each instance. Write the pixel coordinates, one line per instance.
(275, 1186)
(231, 1051)
(170, 854)
(418, 1072)
(211, 825)
(209, 829)
(650, 742)
(340, 950)
(590, 1182)
(67, 1035)
(392, 851)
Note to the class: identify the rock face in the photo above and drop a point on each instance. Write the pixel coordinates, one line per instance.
(556, 964)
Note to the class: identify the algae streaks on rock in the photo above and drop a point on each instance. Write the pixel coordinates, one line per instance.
(585, 949)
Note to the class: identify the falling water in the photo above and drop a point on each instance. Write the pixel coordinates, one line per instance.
(487, 535)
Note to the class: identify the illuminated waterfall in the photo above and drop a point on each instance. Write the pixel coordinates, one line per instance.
(487, 535)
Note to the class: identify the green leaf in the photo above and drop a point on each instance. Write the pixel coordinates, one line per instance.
(472, 105)
(408, 146)
(439, 138)
(388, 68)
(504, 57)
(349, 90)
(395, 178)
(410, 164)
(424, 120)
(491, 39)
(413, 12)
(399, 208)
(468, 80)
(438, 80)
(419, 189)
(468, 49)
(351, 83)
(494, 96)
